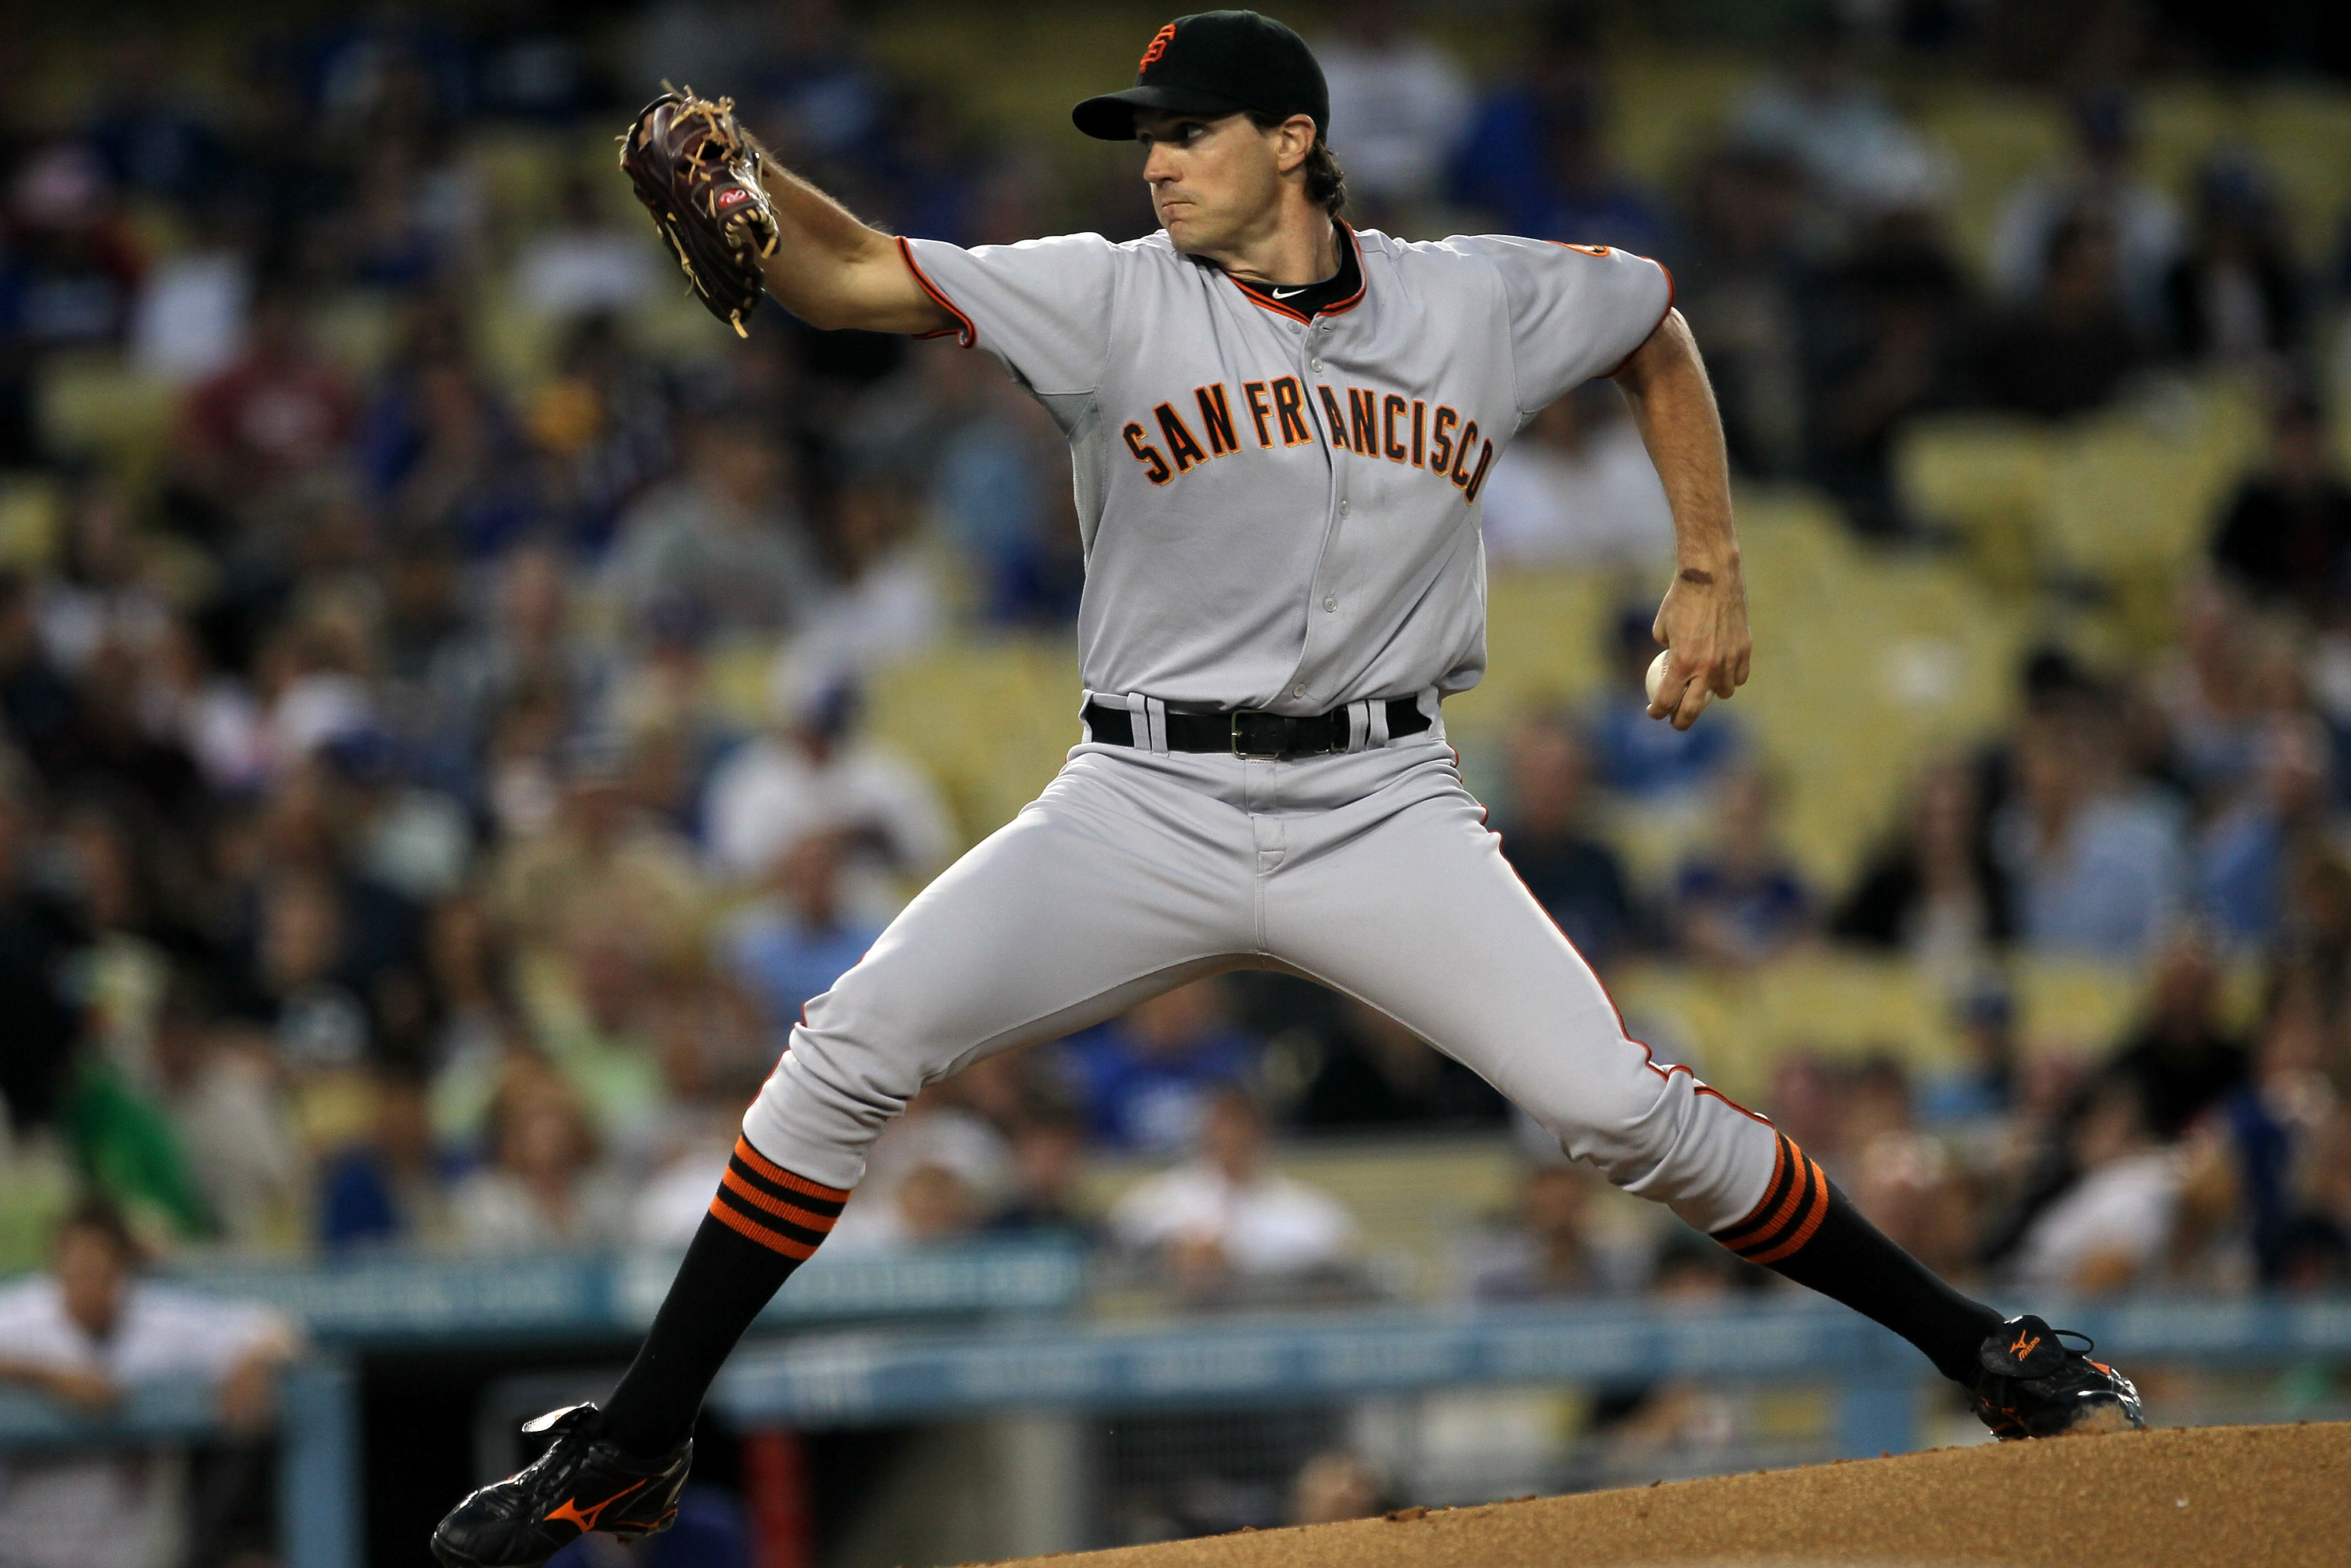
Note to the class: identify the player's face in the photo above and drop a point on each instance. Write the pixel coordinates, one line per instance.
(1213, 182)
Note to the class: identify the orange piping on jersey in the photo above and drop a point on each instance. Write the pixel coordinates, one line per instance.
(1648, 1057)
(968, 335)
(1362, 281)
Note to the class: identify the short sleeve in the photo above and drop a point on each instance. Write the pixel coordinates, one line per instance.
(1576, 311)
(1042, 306)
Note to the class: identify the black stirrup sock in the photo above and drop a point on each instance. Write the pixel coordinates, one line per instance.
(1807, 1229)
(762, 1225)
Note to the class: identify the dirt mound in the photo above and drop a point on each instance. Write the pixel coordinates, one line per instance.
(2190, 1496)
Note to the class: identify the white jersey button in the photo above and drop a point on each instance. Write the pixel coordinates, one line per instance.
(1299, 690)
(1331, 601)
(1314, 365)
(1345, 507)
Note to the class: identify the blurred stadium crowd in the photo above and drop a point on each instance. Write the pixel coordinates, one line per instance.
(440, 670)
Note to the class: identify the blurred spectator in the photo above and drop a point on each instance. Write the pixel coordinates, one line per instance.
(2112, 1227)
(2182, 1058)
(541, 1186)
(602, 857)
(1227, 1217)
(1551, 842)
(37, 1015)
(1884, 331)
(1742, 901)
(528, 642)
(35, 699)
(2276, 1122)
(1146, 1078)
(1577, 488)
(600, 427)
(1836, 127)
(925, 1205)
(152, 138)
(1638, 755)
(227, 1105)
(586, 262)
(1984, 1088)
(812, 774)
(2245, 850)
(1551, 1246)
(723, 547)
(70, 269)
(278, 411)
(1335, 1487)
(442, 452)
(2098, 868)
(392, 1187)
(1049, 1164)
(84, 1335)
(1399, 104)
(2098, 183)
(877, 603)
(1739, 295)
(2220, 686)
(2285, 534)
(791, 946)
(1536, 158)
(1934, 893)
(2235, 296)
(1376, 1074)
(2067, 349)
(106, 592)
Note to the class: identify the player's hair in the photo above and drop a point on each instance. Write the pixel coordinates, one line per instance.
(1326, 182)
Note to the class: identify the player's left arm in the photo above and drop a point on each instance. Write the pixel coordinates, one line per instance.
(1704, 617)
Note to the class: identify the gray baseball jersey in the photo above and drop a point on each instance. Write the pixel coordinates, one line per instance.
(1282, 513)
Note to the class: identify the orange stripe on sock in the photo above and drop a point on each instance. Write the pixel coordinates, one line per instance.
(1799, 1194)
(820, 1223)
(782, 1177)
(1794, 1244)
(773, 1241)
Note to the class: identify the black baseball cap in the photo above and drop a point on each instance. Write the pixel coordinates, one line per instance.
(1215, 63)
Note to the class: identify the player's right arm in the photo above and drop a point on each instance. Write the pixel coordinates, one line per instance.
(834, 272)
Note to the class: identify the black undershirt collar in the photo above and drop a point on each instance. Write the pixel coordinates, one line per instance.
(1310, 298)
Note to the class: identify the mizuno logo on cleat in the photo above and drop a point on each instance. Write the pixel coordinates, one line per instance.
(2023, 1346)
(587, 1521)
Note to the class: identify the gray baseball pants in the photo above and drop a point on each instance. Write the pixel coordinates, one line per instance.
(1370, 870)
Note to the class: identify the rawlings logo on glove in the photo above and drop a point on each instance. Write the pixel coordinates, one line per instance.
(698, 173)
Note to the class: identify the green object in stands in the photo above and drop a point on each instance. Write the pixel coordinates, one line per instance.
(130, 1150)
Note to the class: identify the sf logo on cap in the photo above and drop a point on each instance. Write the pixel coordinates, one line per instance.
(1159, 41)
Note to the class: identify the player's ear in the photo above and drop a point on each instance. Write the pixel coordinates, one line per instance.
(1293, 139)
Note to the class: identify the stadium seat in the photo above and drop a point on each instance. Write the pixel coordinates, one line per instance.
(1985, 478)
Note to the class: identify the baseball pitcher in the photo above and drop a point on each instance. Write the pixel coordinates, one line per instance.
(1279, 429)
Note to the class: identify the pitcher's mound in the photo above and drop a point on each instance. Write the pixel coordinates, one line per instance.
(2184, 1497)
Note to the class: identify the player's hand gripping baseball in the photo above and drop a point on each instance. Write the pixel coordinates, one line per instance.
(1703, 621)
(1703, 625)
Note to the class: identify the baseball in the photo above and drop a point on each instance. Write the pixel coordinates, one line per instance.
(1657, 677)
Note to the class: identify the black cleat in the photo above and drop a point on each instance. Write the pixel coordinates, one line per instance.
(582, 1483)
(2033, 1385)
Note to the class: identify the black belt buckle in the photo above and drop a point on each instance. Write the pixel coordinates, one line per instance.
(1262, 736)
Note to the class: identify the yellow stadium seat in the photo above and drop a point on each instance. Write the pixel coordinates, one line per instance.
(1985, 478)
(98, 408)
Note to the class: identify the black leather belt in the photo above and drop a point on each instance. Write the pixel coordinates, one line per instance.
(1252, 733)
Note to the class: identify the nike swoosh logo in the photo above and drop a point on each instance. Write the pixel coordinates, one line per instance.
(1286, 293)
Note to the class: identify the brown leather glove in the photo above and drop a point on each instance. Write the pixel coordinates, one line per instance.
(697, 172)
